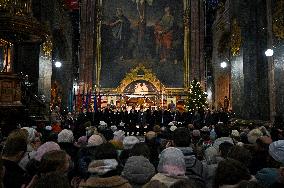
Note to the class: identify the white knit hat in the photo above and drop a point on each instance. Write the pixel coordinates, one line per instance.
(65, 136)
(173, 128)
(95, 140)
(129, 142)
(253, 135)
(276, 150)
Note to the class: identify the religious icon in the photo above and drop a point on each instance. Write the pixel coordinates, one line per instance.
(148, 32)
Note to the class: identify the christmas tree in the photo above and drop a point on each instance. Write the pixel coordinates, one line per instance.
(196, 99)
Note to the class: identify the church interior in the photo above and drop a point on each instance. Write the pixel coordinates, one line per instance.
(142, 93)
(85, 55)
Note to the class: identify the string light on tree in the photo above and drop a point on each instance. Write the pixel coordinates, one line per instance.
(196, 99)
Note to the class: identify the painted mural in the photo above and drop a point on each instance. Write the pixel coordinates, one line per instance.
(148, 32)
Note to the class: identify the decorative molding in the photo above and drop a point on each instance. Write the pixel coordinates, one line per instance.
(134, 75)
(47, 47)
(236, 38)
(278, 19)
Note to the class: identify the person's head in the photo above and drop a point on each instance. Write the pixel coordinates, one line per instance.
(230, 172)
(44, 148)
(167, 9)
(240, 154)
(31, 133)
(276, 151)
(222, 130)
(140, 149)
(65, 136)
(138, 170)
(129, 142)
(172, 162)
(119, 12)
(181, 137)
(253, 135)
(95, 140)
(55, 161)
(105, 151)
(16, 145)
(52, 180)
(224, 148)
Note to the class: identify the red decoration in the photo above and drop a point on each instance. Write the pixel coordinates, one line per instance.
(72, 4)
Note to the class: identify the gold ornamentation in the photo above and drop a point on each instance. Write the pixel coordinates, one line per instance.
(47, 47)
(236, 38)
(278, 19)
(134, 75)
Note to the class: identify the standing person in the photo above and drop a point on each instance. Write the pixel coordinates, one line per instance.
(226, 104)
(133, 116)
(164, 35)
(56, 120)
(121, 32)
(141, 120)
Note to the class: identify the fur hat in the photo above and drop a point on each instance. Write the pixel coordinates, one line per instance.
(95, 140)
(150, 135)
(171, 124)
(195, 133)
(101, 167)
(205, 129)
(119, 135)
(31, 133)
(235, 133)
(48, 128)
(210, 155)
(46, 147)
(138, 170)
(221, 140)
(276, 150)
(113, 128)
(129, 142)
(102, 123)
(253, 135)
(65, 136)
(82, 141)
(173, 128)
(172, 162)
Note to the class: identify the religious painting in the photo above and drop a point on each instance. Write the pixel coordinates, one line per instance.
(140, 87)
(148, 32)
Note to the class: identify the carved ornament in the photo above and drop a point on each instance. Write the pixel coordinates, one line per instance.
(236, 38)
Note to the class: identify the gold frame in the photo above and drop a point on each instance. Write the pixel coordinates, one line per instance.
(130, 77)
(278, 20)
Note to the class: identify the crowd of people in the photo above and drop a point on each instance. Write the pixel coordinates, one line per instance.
(176, 151)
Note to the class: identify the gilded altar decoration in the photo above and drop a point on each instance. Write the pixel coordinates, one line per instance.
(17, 7)
(47, 48)
(236, 38)
(278, 19)
(140, 73)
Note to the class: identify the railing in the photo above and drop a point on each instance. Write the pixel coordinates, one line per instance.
(16, 7)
